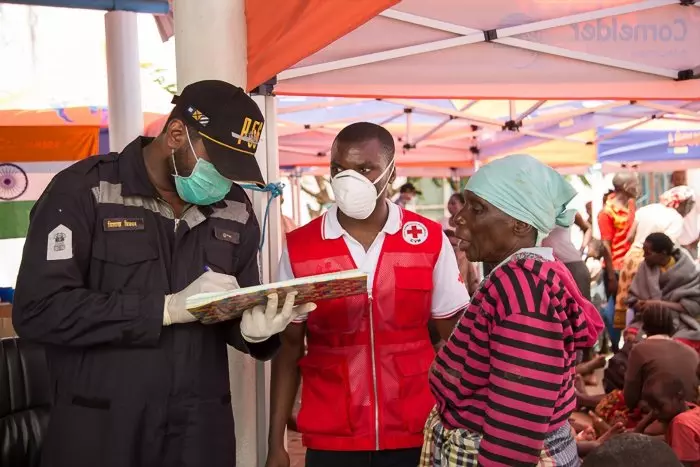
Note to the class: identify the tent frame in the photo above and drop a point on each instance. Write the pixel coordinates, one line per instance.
(518, 125)
(505, 36)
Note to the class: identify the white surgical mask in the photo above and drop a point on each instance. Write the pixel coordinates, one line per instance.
(355, 195)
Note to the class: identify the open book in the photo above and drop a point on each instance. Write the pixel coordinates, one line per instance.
(215, 307)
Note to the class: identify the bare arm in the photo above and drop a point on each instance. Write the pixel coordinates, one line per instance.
(674, 306)
(445, 326)
(607, 229)
(633, 380)
(586, 447)
(645, 422)
(633, 233)
(609, 270)
(586, 228)
(284, 384)
(472, 279)
(607, 254)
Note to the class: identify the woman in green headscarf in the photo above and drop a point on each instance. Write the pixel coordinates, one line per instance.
(503, 382)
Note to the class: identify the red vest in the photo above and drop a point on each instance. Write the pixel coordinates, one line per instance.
(365, 376)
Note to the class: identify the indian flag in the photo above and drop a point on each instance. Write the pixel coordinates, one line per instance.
(21, 184)
(29, 159)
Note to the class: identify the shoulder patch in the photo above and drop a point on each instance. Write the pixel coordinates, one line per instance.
(415, 233)
(59, 244)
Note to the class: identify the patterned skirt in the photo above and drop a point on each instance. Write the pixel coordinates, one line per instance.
(613, 409)
(443, 447)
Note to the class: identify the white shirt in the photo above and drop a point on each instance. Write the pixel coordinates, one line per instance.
(690, 227)
(657, 218)
(559, 240)
(449, 292)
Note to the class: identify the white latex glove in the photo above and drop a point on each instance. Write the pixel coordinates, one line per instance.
(260, 323)
(175, 309)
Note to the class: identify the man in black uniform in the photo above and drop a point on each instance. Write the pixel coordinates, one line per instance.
(115, 246)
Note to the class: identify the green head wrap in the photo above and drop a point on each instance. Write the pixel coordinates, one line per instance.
(527, 190)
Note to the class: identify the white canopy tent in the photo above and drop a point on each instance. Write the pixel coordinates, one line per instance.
(526, 49)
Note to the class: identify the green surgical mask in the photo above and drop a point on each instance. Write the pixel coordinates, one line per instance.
(205, 185)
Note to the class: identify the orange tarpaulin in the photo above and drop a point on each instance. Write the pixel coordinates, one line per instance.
(283, 32)
(48, 144)
(82, 116)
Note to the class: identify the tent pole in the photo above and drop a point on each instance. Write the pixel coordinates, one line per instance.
(123, 78)
(203, 29)
(530, 111)
(408, 111)
(390, 119)
(296, 196)
(559, 117)
(267, 157)
(440, 125)
(670, 108)
(586, 57)
(624, 130)
(320, 105)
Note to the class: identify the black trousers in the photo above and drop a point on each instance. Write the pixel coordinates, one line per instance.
(389, 458)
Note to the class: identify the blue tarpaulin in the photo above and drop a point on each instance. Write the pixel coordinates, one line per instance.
(650, 146)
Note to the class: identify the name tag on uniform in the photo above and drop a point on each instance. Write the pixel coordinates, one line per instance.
(122, 224)
(227, 235)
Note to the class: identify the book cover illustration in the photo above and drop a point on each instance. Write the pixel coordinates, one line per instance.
(216, 307)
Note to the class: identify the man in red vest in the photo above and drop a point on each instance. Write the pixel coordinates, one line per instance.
(365, 395)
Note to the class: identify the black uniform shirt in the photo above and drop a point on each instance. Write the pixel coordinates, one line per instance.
(101, 254)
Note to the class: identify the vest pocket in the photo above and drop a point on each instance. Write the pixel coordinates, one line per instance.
(415, 397)
(414, 287)
(325, 397)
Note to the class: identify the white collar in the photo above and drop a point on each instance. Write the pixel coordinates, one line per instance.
(332, 228)
(544, 252)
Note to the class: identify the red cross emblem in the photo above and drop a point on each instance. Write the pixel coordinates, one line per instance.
(415, 233)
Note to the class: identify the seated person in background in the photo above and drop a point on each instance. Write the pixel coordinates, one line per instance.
(645, 360)
(586, 369)
(669, 279)
(665, 397)
(614, 376)
(665, 217)
(610, 407)
(632, 450)
(660, 354)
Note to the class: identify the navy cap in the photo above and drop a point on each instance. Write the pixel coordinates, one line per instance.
(230, 124)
